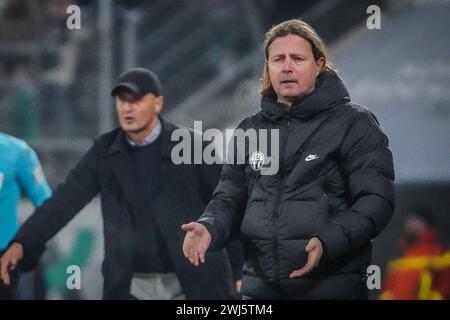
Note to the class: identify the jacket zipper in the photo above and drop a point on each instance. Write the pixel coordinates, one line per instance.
(278, 200)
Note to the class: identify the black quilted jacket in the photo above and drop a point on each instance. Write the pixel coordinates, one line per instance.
(335, 182)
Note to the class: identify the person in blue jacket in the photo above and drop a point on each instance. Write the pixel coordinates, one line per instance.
(20, 172)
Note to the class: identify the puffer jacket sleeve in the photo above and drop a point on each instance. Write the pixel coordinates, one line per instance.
(223, 214)
(209, 176)
(367, 165)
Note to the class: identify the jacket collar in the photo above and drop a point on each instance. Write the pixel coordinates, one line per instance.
(330, 90)
(119, 143)
(120, 161)
(152, 137)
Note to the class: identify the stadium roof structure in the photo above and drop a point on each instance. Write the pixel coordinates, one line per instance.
(401, 72)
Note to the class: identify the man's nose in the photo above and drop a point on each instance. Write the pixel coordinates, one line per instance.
(287, 65)
(127, 106)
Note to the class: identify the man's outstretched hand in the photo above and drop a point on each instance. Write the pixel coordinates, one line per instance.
(196, 242)
(9, 261)
(315, 250)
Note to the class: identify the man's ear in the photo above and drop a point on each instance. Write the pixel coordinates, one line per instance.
(319, 65)
(159, 103)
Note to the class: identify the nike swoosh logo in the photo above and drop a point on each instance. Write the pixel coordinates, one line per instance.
(311, 157)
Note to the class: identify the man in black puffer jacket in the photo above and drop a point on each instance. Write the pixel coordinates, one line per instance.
(307, 229)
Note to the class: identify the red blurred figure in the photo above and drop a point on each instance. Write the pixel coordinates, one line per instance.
(423, 270)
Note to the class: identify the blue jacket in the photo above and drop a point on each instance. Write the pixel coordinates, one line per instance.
(20, 170)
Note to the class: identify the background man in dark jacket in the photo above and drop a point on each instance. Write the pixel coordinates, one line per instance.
(145, 198)
(307, 229)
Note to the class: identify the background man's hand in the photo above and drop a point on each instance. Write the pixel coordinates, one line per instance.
(196, 242)
(315, 251)
(9, 261)
(237, 285)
